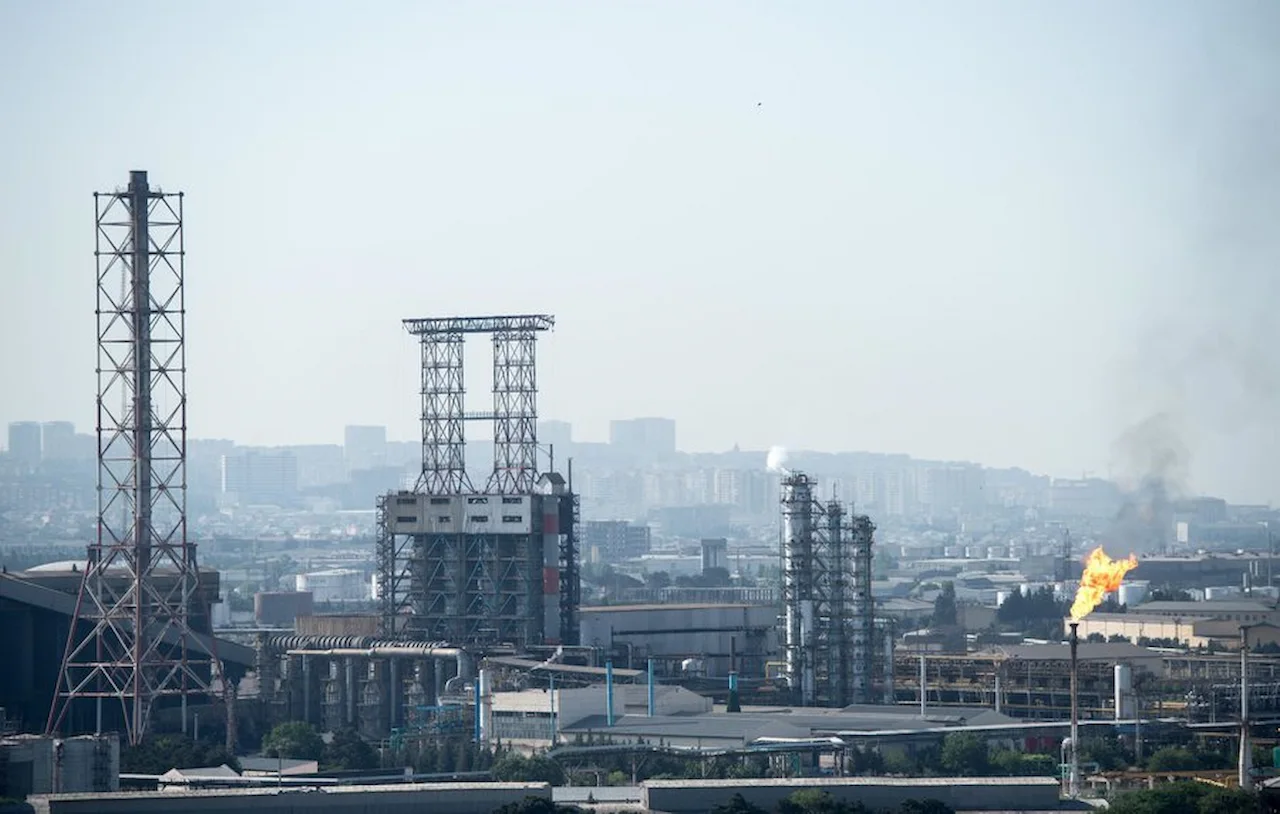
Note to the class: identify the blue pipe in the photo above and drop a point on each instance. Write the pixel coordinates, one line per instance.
(652, 706)
(608, 692)
(477, 685)
(551, 700)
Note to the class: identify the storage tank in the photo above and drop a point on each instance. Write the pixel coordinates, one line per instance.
(1001, 597)
(1133, 593)
(996, 552)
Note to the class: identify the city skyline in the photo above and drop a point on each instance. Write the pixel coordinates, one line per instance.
(1001, 238)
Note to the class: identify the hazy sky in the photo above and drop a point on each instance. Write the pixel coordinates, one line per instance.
(1001, 232)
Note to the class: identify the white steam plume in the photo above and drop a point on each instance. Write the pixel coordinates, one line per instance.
(776, 462)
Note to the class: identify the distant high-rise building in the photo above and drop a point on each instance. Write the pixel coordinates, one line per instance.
(265, 477)
(364, 447)
(24, 443)
(557, 434)
(644, 437)
(614, 540)
(59, 439)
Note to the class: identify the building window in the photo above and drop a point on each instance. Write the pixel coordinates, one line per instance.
(406, 501)
(475, 500)
(444, 518)
(479, 518)
(512, 501)
(406, 518)
(512, 518)
(439, 501)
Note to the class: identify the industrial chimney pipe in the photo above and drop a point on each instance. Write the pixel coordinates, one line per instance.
(1246, 748)
(1073, 771)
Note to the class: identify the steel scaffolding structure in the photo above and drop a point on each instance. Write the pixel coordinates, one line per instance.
(828, 646)
(479, 567)
(515, 392)
(134, 645)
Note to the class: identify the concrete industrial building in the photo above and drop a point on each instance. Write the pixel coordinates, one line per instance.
(614, 540)
(720, 638)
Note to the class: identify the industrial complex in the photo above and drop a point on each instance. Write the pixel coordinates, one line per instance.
(479, 623)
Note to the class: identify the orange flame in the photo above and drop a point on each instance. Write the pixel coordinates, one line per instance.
(1101, 576)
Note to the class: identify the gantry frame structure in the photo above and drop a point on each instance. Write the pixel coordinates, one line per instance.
(130, 639)
(515, 401)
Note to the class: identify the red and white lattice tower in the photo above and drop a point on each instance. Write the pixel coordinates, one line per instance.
(132, 643)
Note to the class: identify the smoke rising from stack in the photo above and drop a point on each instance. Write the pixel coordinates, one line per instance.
(777, 459)
(1207, 356)
(1150, 462)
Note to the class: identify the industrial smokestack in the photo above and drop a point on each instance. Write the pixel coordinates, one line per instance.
(608, 692)
(1073, 776)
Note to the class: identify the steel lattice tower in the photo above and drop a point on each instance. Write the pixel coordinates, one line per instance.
(130, 640)
(515, 394)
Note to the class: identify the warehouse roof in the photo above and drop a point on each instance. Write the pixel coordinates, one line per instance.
(29, 593)
(1208, 607)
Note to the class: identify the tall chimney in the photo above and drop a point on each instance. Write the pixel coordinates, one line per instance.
(1246, 749)
(1073, 777)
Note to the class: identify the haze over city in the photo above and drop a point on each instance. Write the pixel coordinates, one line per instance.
(1009, 234)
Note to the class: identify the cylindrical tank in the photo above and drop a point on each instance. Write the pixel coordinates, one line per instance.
(1133, 593)
(996, 552)
(1001, 597)
(953, 551)
(1123, 686)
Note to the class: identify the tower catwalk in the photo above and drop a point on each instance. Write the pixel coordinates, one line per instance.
(130, 641)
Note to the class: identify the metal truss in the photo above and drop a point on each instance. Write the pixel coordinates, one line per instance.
(391, 552)
(444, 465)
(130, 640)
(514, 413)
(570, 579)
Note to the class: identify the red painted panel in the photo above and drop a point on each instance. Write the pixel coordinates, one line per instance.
(551, 523)
(550, 581)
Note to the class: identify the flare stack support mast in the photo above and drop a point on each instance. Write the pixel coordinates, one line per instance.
(829, 649)
(132, 642)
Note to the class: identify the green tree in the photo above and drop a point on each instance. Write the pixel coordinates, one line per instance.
(964, 754)
(160, 753)
(535, 805)
(1173, 759)
(349, 752)
(516, 768)
(737, 805)
(1185, 798)
(817, 801)
(296, 740)
(944, 606)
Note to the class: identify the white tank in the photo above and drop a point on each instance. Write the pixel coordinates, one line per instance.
(953, 551)
(996, 552)
(1133, 593)
(1002, 597)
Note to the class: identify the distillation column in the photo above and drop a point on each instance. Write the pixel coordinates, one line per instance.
(798, 585)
